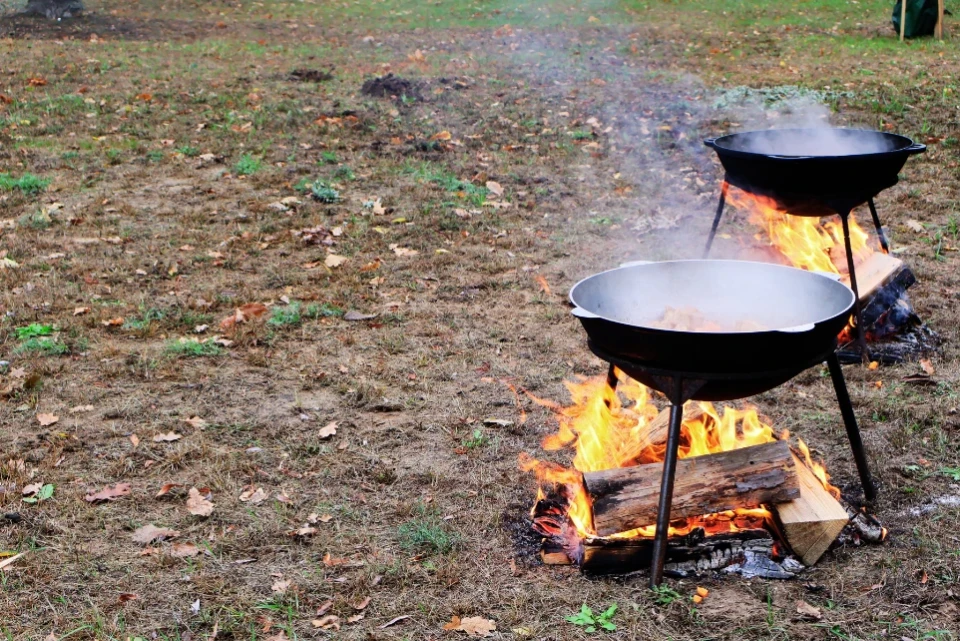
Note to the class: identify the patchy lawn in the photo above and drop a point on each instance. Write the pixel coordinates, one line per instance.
(303, 301)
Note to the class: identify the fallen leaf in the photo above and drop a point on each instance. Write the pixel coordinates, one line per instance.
(4, 564)
(196, 421)
(807, 611)
(915, 225)
(281, 585)
(80, 311)
(113, 322)
(328, 430)
(395, 620)
(927, 366)
(149, 533)
(47, 419)
(79, 409)
(197, 504)
(33, 488)
(333, 260)
(494, 188)
(355, 618)
(184, 550)
(167, 437)
(378, 208)
(306, 530)
(135, 440)
(402, 251)
(242, 314)
(109, 493)
(127, 596)
(441, 135)
(166, 488)
(252, 495)
(473, 626)
(329, 622)
(361, 605)
(354, 315)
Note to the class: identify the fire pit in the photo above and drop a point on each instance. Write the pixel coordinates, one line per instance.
(767, 323)
(815, 172)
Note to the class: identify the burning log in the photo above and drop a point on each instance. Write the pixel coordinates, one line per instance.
(657, 428)
(626, 498)
(812, 522)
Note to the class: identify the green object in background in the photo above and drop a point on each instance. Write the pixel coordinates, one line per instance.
(921, 17)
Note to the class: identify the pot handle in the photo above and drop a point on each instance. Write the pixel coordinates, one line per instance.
(580, 312)
(916, 148)
(796, 329)
(710, 142)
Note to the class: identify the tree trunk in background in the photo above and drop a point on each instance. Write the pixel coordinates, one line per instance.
(54, 9)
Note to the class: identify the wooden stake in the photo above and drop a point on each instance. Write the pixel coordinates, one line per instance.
(627, 498)
(903, 18)
(940, 19)
(812, 522)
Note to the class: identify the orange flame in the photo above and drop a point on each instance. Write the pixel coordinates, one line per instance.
(804, 241)
(609, 428)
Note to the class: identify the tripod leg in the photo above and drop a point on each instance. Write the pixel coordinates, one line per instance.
(879, 227)
(853, 432)
(716, 219)
(857, 312)
(666, 495)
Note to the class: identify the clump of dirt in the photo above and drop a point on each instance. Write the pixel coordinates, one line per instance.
(391, 86)
(311, 75)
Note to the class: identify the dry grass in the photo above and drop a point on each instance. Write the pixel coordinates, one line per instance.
(425, 501)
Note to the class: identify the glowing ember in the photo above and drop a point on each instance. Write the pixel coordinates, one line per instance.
(804, 241)
(611, 429)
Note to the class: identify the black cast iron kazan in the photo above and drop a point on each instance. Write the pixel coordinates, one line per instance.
(807, 170)
(800, 314)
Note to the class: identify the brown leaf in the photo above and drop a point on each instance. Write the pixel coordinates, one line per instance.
(184, 550)
(113, 322)
(46, 419)
(242, 314)
(149, 533)
(329, 622)
(306, 530)
(328, 430)
(395, 620)
(251, 495)
(355, 618)
(33, 488)
(927, 366)
(326, 605)
(361, 605)
(354, 315)
(167, 437)
(473, 626)
(494, 188)
(196, 421)
(128, 596)
(915, 226)
(166, 488)
(135, 440)
(281, 585)
(197, 504)
(333, 260)
(109, 493)
(441, 135)
(807, 611)
(80, 311)
(402, 251)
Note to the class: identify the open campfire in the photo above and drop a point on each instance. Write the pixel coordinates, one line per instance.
(747, 498)
(809, 235)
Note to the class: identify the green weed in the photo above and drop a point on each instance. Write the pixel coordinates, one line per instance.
(193, 348)
(27, 183)
(46, 346)
(142, 322)
(323, 193)
(477, 439)
(664, 595)
(590, 622)
(247, 165)
(45, 493)
(344, 173)
(189, 151)
(329, 157)
(952, 472)
(426, 534)
(33, 330)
